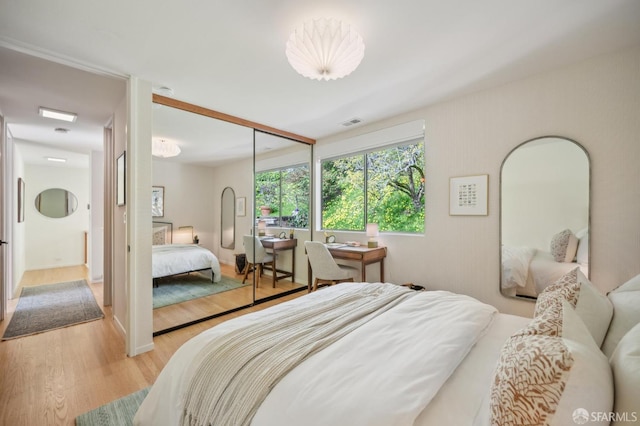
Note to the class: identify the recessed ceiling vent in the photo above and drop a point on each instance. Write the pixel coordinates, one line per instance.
(351, 122)
(61, 130)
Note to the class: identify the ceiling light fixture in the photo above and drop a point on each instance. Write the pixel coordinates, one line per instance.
(57, 115)
(325, 49)
(164, 148)
(56, 159)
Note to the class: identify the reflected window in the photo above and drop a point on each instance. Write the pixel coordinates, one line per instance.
(282, 197)
(384, 186)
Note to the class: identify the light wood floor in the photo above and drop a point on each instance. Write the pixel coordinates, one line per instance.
(50, 378)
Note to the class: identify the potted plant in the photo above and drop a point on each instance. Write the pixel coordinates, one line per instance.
(265, 210)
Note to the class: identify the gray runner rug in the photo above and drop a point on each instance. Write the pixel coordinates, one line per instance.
(51, 306)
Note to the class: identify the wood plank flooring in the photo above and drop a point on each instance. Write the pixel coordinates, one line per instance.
(50, 378)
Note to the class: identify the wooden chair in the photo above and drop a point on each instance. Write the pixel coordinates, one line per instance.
(257, 258)
(325, 268)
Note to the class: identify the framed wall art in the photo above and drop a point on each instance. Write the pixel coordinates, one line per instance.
(121, 176)
(468, 195)
(157, 201)
(20, 200)
(241, 206)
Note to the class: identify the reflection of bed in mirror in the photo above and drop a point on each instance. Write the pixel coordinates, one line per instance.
(527, 271)
(544, 188)
(170, 259)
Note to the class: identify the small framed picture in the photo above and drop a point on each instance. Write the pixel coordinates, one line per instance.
(468, 195)
(121, 179)
(20, 200)
(241, 206)
(157, 201)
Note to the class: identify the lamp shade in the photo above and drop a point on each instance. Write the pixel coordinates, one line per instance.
(325, 49)
(163, 148)
(372, 229)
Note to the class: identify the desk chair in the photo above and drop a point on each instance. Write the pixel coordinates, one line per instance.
(257, 258)
(325, 268)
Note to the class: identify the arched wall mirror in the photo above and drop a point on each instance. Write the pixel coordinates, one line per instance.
(544, 214)
(209, 187)
(56, 203)
(228, 219)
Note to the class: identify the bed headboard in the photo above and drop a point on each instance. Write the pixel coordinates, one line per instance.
(162, 233)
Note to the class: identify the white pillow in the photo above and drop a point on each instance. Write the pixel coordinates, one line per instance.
(626, 314)
(592, 307)
(564, 246)
(582, 254)
(625, 363)
(545, 379)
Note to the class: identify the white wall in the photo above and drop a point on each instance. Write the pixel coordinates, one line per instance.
(55, 242)
(188, 199)
(96, 248)
(119, 301)
(239, 176)
(18, 233)
(596, 103)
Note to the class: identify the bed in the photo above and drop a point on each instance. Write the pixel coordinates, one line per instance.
(376, 354)
(170, 259)
(527, 271)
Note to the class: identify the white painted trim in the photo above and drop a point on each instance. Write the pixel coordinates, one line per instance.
(139, 327)
(49, 55)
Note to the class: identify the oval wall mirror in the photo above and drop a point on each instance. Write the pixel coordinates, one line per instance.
(228, 219)
(56, 203)
(544, 215)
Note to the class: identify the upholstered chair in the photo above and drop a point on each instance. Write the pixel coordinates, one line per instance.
(325, 268)
(257, 258)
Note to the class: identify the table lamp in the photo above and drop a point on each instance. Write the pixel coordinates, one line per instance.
(372, 233)
(262, 228)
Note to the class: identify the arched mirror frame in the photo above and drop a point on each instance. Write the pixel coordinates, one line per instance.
(184, 106)
(228, 218)
(501, 213)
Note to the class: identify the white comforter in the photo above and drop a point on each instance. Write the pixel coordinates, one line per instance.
(515, 265)
(171, 259)
(385, 372)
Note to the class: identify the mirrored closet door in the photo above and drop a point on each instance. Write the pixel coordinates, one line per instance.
(206, 210)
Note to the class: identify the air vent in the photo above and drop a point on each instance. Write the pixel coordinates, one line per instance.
(61, 130)
(352, 122)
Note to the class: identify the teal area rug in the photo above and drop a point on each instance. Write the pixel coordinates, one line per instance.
(116, 413)
(52, 306)
(181, 288)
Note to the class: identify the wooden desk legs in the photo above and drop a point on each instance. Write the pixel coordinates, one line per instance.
(364, 271)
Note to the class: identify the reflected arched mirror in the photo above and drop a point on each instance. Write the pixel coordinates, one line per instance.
(544, 215)
(228, 219)
(56, 203)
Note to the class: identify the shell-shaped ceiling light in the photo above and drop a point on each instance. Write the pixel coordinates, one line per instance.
(325, 49)
(163, 148)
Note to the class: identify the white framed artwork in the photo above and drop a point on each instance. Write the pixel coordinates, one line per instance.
(468, 195)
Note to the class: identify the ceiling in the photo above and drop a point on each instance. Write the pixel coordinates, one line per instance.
(229, 56)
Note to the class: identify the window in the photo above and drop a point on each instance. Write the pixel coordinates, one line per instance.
(282, 197)
(385, 186)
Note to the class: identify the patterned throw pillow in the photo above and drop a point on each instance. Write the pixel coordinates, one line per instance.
(530, 378)
(564, 246)
(566, 287)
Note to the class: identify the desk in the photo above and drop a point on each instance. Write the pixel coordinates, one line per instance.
(280, 244)
(362, 254)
